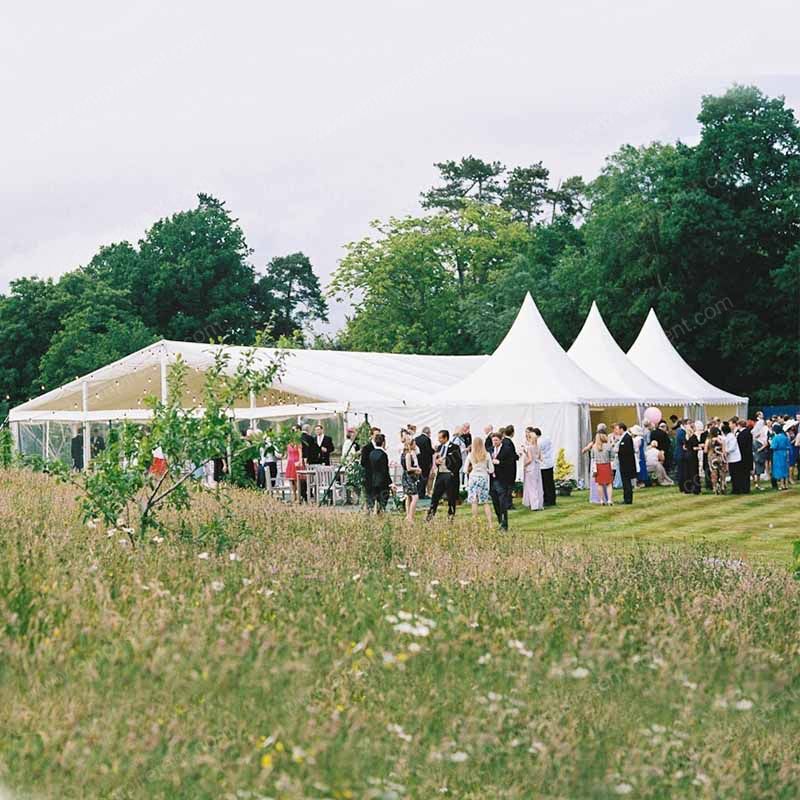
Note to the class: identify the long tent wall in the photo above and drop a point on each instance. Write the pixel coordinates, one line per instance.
(314, 385)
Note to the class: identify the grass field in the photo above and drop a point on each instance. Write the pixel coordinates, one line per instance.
(311, 654)
(760, 526)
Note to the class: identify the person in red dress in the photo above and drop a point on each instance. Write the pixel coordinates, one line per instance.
(294, 462)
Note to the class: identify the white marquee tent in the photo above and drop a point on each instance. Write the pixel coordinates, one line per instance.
(529, 380)
(315, 384)
(598, 354)
(655, 355)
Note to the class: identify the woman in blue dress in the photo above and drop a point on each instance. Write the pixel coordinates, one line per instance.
(780, 458)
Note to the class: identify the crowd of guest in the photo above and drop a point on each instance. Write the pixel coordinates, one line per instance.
(483, 467)
(732, 455)
(720, 456)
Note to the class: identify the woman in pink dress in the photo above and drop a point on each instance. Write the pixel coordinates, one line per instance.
(532, 495)
(294, 461)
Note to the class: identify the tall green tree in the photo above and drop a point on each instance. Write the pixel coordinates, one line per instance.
(30, 315)
(102, 329)
(525, 192)
(470, 178)
(199, 279)
(288, 297)
(414, 285)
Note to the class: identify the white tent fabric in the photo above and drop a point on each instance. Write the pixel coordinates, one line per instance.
(655, 355)
(310, 377)
(529, 380)
(597, 353)
(529, 367)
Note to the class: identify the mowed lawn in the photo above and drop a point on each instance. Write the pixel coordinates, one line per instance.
(760, 526)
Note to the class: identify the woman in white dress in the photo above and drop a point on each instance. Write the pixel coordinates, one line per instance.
(532, 495)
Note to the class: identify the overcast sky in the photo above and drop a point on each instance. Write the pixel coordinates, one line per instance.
(311, 119)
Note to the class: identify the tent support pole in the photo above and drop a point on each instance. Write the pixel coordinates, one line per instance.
(163, 365)
(252, 405)
(87, 445)
(46, 453)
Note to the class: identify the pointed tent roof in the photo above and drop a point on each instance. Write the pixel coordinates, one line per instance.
(597, 353)
(529, 366)
(654, 354)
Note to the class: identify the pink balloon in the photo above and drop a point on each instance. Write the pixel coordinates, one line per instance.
(653, 415)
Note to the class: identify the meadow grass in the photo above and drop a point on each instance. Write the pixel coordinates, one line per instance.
(318, 654)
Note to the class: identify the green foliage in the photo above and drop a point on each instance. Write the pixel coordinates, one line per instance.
(796, 559)
(563, 470)
(188, 278)
(6, 447)
(288, 296)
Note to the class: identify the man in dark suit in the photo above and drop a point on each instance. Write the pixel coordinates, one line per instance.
(76, 449)
(627, 461)
(466, 435)
(661, 437)
(322, 447)
(424, 459)
(447, 461)
(380, 479)
(680, 456)
(745, 440)
(366, 466)
(504, 458)
(308, 450)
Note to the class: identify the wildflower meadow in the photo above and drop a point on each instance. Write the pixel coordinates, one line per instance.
(269, 652)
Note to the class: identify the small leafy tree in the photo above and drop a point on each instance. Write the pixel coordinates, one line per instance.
(563, 472)
(127, 484)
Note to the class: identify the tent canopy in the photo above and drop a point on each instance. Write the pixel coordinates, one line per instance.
(653, 354)
(310, 376)
(529, 367)
(597, 353)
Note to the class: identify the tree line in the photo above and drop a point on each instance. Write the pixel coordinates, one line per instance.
(707, 234)
(189, 278)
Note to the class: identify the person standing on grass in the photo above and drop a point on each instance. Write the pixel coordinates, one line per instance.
(411, 473)
(661, 437)
(380, 478)
(626, 459)
(745, 441)
(480, 470)
(425, 460)
(717, 462)
(680, 455)
(691, 472)
(532, 494)
(733, 456)
(447, 462)
(780, 457)
(601, 469)
(760, 450)
(366, 466)
(548, 464)
(504, 459)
